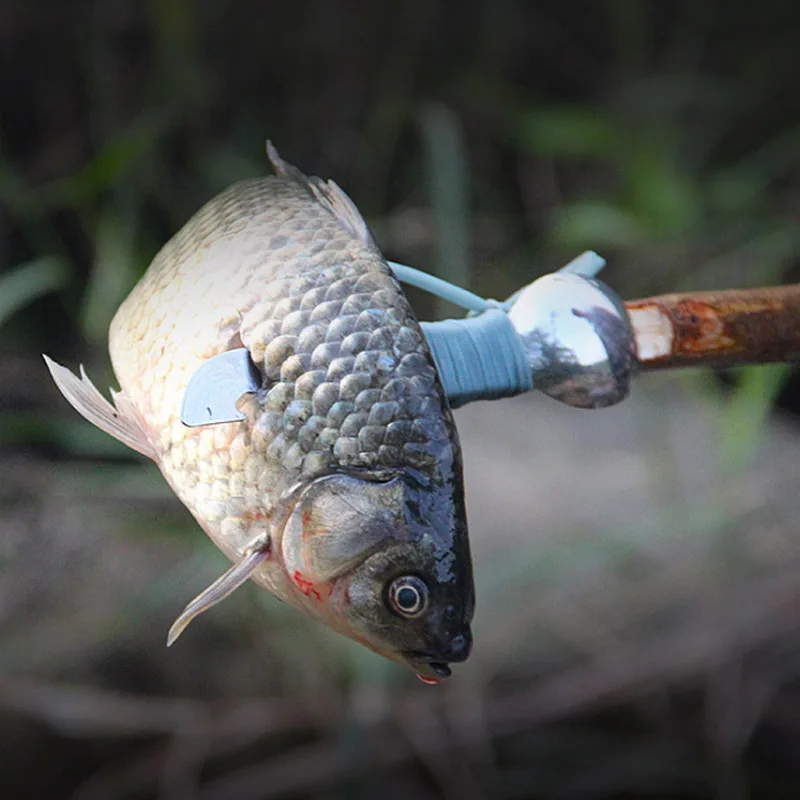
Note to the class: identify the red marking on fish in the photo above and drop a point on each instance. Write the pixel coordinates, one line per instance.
(317, 591)
(303, 584)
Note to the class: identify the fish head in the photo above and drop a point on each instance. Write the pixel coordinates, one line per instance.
(384, 559)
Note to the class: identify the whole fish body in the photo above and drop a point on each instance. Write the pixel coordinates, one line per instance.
(341, 490)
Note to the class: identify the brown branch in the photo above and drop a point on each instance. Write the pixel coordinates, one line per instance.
(718, 329)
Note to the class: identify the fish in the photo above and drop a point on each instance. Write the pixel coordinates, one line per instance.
(340, 489)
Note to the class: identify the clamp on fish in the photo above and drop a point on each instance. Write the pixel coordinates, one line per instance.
(271, 366)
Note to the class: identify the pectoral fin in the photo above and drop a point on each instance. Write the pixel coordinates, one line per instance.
(119, 420)
(223, 587)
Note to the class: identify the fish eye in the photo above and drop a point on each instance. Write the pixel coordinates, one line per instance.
(408, 596)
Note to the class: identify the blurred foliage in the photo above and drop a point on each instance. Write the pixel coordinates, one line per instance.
(27, 282)
(489, 142)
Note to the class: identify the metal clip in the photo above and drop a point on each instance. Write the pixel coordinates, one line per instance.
(215, 388)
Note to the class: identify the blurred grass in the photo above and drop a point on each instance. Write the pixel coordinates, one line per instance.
(744, 415)
(29, 281)
(447, 173)
(489, 142)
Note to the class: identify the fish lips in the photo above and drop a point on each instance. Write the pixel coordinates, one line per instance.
(436, 665)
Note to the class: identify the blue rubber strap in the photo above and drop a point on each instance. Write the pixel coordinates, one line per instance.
(481, 358)
(587, 264)
(444, 289)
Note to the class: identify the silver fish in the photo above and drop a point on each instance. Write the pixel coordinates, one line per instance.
(340, 491)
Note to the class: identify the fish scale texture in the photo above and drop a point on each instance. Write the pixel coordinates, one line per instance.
(348, 380)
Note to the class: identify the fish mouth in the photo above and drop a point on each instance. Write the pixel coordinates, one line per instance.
(441, 669)
(427, 667)
(433, 665)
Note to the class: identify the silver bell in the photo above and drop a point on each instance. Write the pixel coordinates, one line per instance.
(578, 339)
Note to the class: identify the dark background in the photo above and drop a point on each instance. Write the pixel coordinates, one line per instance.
(638, 569)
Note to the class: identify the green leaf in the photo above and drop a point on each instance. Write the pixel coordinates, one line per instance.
(596, 225)
(113, 274)
(568, 131)
(29, 281)
(662, 196)
(742, 420)
(118, 156)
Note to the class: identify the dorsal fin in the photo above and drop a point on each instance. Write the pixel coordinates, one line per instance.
(328, 194)
(120, 420)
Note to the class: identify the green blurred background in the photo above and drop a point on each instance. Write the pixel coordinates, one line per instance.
(638, 569)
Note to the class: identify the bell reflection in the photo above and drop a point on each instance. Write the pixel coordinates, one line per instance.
(578, 339)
